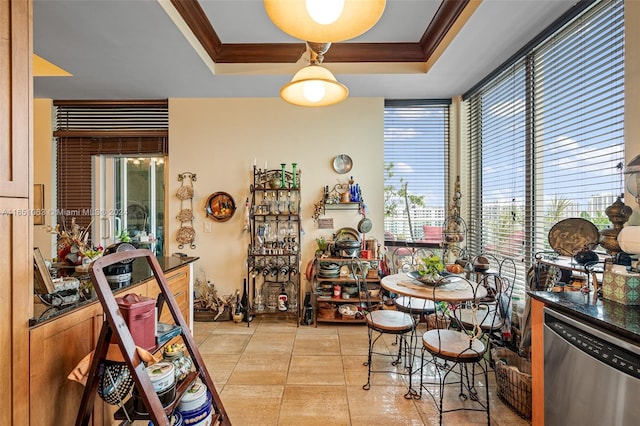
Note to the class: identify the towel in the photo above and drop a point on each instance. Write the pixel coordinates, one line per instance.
(81, 371)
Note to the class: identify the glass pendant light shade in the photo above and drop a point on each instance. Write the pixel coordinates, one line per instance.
(314, 86)
(324, 20)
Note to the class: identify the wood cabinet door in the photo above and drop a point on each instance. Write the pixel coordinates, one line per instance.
(56, 348)
(16, 289)
(15, 97)
(178, 282)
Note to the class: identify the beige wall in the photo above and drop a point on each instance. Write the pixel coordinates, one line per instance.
(219, 139)
(44, 171)
(632, 93)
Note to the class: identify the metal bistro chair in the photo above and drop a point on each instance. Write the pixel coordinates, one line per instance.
(380, 322)
(500, 287)
(411, 305)
(457, 354)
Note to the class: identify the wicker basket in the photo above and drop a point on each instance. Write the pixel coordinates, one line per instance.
(513, 376)
(437, 321)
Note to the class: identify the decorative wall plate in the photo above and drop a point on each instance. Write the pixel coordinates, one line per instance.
(220, 206)
(342, 164)
(569, 236)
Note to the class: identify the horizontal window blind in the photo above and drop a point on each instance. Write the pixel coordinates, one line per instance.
(578, 88)
(546, 136)
(416, 141)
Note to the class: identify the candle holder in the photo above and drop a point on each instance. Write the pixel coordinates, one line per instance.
(294, 183)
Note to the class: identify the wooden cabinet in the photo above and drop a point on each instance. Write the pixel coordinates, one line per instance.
(16, 277)
(56, 348)
(179, 283)
(326, 294)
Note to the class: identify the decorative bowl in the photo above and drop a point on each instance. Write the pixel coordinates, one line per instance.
(423, 279)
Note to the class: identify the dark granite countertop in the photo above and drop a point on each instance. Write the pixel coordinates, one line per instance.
(621, 319)
(141, 271)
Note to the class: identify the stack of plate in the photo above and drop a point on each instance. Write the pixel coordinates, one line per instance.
(329, 270)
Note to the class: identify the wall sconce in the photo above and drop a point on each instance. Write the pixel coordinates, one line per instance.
(324, 20)
(314, 85)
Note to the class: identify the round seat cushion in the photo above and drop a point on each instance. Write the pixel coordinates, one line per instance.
(414, 305)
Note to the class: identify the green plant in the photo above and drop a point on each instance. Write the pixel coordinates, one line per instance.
(123, 236)
(430, 266)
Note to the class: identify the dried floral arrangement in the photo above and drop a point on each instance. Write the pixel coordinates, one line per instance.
(206, 299)
(73, 242)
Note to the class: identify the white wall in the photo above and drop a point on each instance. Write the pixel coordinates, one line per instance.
(218, 140)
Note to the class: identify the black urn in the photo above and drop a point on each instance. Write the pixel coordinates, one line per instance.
(585, 256)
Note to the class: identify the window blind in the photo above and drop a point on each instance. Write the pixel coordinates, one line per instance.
(546, 135)
(416, 141)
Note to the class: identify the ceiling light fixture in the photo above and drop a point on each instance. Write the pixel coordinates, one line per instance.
(324, 20)
(314, 85)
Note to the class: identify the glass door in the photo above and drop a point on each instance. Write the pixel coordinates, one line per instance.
(129, 201)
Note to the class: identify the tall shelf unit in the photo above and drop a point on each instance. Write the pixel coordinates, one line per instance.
(273, 256)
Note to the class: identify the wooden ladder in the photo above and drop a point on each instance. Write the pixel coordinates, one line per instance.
(116, 326)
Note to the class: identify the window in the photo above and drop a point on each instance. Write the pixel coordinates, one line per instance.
(85, 129)
(546, 134)
(416, 141)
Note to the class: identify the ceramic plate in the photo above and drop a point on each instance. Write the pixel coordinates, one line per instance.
(569, 236)
(347, 234)
(342, 164)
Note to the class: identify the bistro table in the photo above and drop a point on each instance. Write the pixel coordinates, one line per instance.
(451, 291)
(454, 289)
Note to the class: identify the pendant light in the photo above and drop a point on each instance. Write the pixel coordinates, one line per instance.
(314, 85)
(324, 20)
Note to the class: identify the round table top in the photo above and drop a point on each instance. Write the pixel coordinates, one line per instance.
(456, 290)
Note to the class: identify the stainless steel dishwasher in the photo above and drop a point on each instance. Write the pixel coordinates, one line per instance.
(590, 376)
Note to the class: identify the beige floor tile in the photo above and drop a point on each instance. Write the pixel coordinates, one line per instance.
(313, 345)
(278, 374)
(382, 405)
(354, 344)
(230, 327)
(224, 344)
(261, 369)
(316, 370)
(220, 367)
(252, 404)
(268, 343)
(280, 325)
(314, 405)
(355, 372)
(321, 329)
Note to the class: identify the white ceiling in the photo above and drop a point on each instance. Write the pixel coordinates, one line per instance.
(132, 49)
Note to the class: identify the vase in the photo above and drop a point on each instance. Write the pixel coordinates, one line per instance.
(294, 183)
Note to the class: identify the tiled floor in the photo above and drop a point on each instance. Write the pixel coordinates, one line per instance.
(274, 373)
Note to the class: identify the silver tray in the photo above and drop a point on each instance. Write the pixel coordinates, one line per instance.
(342, 164)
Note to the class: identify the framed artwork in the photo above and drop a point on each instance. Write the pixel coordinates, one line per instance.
(38, 204)
(42, 279)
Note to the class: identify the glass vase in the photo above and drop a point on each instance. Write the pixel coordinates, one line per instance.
(294, 182)
(282, 175)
